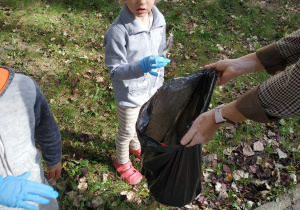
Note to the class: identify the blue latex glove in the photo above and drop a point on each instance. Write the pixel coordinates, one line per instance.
(15, 190)
(152, 62)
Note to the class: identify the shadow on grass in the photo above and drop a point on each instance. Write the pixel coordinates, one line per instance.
(76, 149)
(84, 146)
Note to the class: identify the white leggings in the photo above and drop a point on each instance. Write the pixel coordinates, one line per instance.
(127, 136)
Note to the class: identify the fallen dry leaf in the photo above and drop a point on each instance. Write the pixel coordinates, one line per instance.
(71, 194)
(77, 200)
(97, 201)
(259, 160)
(281, 154)
(229, 177)
(270, 133)
(226, 169)
(258, 146)
(206, 177)
(253, 168)
(129, 195)
(218, 187)
(234, 187)
(228, 151)
(247, 150)
(238, 174)
(105, 177)
(61, 185)
(100, 79)
(82, 187)
(263, 184)
(223, 195)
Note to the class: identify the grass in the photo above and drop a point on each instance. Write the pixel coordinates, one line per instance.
(59, 44)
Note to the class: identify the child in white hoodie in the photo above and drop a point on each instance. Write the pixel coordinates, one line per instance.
(133, 53)
(25, 118)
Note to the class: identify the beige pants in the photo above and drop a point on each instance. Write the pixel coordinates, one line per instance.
(127, 137)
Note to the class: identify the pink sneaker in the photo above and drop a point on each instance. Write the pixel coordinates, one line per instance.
(136, 153)
(128, 172)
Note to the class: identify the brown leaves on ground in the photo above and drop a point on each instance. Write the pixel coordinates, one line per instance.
(247, 175)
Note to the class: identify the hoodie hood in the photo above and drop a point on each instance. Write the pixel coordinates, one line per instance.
(10, 78)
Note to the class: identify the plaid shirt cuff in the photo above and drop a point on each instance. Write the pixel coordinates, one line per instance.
(250, 106)
(271, 59)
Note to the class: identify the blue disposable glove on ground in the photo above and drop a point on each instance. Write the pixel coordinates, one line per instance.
(152, 62)
(16, 190)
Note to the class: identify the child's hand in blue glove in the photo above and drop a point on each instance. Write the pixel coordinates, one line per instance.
(152, 62)
(16, 190)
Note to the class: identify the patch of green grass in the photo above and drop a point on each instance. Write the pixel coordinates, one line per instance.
(60, 45)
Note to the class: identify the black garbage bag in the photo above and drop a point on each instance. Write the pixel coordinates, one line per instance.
(173, 171)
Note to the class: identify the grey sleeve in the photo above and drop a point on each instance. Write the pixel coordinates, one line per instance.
(115, 56)
(47, 133)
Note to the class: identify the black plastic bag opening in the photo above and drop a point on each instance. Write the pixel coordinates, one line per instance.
(173, 171)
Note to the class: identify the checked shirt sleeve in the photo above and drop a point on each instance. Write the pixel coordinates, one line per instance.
(278, 97)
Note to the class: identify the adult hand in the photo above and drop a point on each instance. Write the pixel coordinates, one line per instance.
(152, 62)
(204, 127)
(54, 173)
(202, 131)
(16, 190)
(232, 68)
(226, 70)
